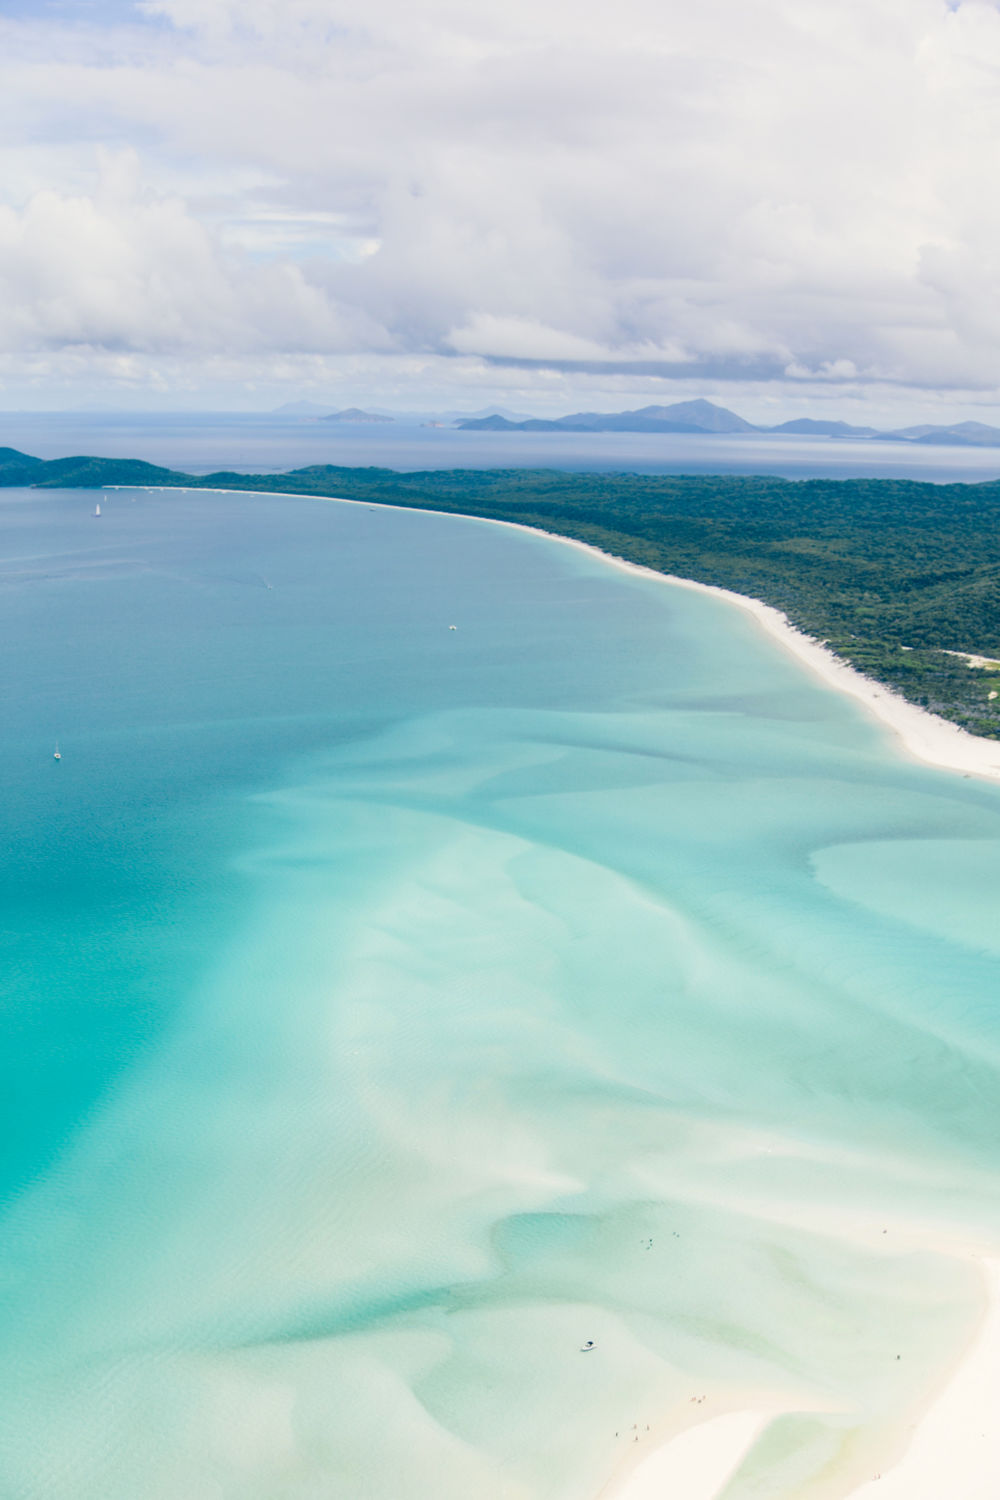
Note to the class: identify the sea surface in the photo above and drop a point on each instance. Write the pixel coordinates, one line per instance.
(437, 951)
(247, 442)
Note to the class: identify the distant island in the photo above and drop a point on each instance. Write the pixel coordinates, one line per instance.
(706, 418)
(319, 413)
(900, 578)
(300, 409)
(684, 416)
(313, 411)
(352, 414)
(698, 418)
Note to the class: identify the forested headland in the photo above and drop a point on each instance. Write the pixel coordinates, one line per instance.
(893, 574)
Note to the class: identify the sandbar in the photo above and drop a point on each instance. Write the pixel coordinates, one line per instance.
(695, 1464)
(951, 1448)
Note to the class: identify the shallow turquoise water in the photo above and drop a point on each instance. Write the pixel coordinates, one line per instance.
(390, 1009)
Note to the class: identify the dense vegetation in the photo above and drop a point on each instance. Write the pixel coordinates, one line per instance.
(894, 574)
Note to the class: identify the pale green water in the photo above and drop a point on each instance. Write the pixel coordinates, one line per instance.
(391, 1009)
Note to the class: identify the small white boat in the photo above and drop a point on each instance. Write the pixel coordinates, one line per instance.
(57, 755)
(97, 512)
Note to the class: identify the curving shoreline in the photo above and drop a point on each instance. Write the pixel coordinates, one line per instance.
(698, 1461)
(948, 1448)
(922, 735)
(952, 1436)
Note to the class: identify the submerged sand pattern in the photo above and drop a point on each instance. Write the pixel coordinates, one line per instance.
(569, 1086)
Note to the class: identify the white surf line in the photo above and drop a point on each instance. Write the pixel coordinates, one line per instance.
(923, 735)
(954, 1449)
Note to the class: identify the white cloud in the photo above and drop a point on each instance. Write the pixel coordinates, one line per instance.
(726, 190)
(522, 339)
(129, 272)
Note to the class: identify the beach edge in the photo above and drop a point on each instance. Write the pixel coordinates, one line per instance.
(922, 735)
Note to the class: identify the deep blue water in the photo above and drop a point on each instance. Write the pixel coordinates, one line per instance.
(180, 651)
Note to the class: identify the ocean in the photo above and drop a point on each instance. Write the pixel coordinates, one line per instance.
(437, 952)
(266, 443)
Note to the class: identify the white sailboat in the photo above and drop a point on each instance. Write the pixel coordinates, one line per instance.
(97, 511)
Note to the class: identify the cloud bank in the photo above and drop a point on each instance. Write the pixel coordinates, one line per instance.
(792, 192)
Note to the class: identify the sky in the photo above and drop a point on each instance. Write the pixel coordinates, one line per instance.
(788, 206)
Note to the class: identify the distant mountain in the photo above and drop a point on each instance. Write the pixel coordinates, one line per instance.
(684, 416)
(353, 414)
(408, 417)
(495, 423)
(10, 458)
(910, 434)
(702, 415)
(484, 411)
(82, 472)
(681, 417)
(707, 418)
(971, 434)
(808, 427)
(954, 435)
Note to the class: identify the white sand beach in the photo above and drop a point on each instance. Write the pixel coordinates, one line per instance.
(949, 1449)
(953, 1448)
(922, 735)
(695, 1464)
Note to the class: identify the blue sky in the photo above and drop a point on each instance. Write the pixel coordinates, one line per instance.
(786, 206)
